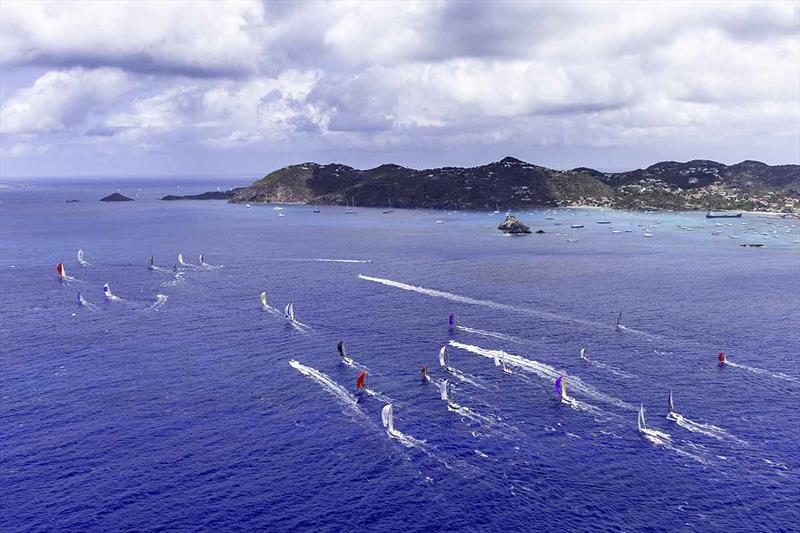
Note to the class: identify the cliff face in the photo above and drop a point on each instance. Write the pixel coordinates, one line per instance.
(514, 184)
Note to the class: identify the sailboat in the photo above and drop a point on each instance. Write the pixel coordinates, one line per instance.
(500, 361)
(640, 422)
(264, 305)
(561, 388)
(446, 392)
(343, 352)
(574, 238)
(619, 325)
(152, 264)
(351, 210)
(387, 416)
(202, 263)
(288, 311)
(62, 274)
(360, 380)
(451, 321)
(583, 355)
(444, 359)
(181, 261)
(672, 414)
(81, 261)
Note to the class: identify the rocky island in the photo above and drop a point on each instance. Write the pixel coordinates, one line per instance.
(209, 195)
(513, 226)
(514, 184)
(116, 197)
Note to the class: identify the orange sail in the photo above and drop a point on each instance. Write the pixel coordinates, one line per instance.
(360, 380)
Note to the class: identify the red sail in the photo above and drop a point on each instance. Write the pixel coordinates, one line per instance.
(360, 380)
(60, 269)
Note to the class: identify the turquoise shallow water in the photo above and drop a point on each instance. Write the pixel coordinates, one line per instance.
(186, 414)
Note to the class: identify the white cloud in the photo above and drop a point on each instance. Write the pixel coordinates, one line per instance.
(61, 100)
(375, 77)
(194, 38)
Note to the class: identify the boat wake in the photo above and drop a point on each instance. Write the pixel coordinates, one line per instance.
(485, 303)
(208, 266)
(544, 371)
(490, 334)
(341, 394)
(161, 299)
(176, 280)
(466, 378)
(377, 395)
(708, 430)
(612, 369)
(88, 305)
(324, 260)
(776, 375)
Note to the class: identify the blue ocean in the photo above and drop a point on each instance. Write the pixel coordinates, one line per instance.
(182, 403)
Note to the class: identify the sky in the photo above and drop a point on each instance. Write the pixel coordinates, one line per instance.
(242, 88)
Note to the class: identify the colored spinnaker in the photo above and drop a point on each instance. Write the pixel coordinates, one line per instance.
(61, 272)
(360, 381)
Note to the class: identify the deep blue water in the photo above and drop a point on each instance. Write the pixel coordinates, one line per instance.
(189, 416)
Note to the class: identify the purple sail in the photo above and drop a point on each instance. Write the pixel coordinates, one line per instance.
(451, 320)
(558, 385)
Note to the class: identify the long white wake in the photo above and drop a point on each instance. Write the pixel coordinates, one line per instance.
(161, 299)
(545, 372)
(490, 334)
(708, 430)
(485, 303)
(341, 394)
(323, 260)
(776, 375)
(612, 369)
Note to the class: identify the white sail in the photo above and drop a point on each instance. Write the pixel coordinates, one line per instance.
(180, 260)
(640, 422)
(152, 265)
(80, 258)
(289, 311)
(583, 353)
(671, 405)
(443, 359)
(202, 263)
(444, 390)
(388, 417)
(497, 360)
(264, 299)
(564, 389)
(107, 292)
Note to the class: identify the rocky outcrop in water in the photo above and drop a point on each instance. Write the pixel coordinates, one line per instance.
(116, 197)
(210, 195)
(514, 226)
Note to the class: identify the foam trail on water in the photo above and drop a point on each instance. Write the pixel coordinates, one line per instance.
(485, 303)
(612, 370)
(776, 375)
(341, 394)
(490, 334)
(177, 279)
(544, 371)
(380, 396)
(161, 299)
(324, 260)
(466, 378)
(88, 305)
(659, 438)
(709, 430)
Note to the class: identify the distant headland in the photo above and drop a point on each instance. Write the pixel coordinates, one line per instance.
(514, 184)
